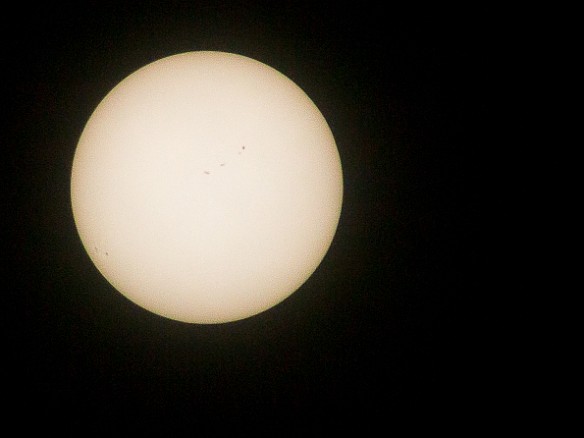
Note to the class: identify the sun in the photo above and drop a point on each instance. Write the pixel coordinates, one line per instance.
(206, 187)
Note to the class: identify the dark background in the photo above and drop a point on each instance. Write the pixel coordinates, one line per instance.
(396, 325)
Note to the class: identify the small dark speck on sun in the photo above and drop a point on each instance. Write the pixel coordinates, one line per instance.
(207, 172)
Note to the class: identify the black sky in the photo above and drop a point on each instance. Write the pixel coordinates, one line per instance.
(395, 325)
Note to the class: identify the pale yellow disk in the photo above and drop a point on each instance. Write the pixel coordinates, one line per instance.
(206, 187)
